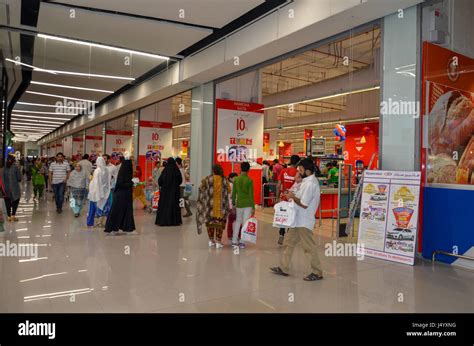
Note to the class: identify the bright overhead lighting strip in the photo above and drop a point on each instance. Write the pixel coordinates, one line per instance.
(360, 120)
(38, 112)
(45, 105)
(38, 121)
(71, 87)
(36, 117)
(323, 98)
(35, 126)
(70, 72)
(60, 96)
(103, 46)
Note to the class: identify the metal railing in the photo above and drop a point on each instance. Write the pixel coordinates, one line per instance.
(441, 252)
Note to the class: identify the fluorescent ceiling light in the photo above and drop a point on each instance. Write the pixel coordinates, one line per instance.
(323, 98)
(34, 68)
(36, 117)
(50, 106)
(103, 46)
(38, 112)
(72, 87)
(60, 96)
(30, 66)
(37, 127)
(325, 123)
(37, 121)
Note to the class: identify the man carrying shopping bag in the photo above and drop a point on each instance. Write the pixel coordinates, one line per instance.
(307, 202)
(242, 199)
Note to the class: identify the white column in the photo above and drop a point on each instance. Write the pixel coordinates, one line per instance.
(202, 134)
(400, 138)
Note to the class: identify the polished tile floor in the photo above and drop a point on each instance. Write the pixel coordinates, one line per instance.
(173, 270)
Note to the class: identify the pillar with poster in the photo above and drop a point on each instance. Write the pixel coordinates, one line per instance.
(238, 138)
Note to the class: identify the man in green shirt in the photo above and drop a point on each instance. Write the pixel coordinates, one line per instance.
(333, 174)
(242, 199)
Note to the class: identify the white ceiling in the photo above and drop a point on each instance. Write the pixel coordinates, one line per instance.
(166, 37)
(211, 13)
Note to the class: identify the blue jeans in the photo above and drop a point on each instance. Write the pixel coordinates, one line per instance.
(58, 190)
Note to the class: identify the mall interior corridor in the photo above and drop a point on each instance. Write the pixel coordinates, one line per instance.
(172, 269)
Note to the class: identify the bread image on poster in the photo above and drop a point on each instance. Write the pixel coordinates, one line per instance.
(451, 128)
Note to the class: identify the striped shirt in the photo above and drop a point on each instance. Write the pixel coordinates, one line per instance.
(60, 171)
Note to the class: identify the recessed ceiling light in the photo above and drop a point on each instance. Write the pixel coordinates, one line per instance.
(34, 68)
(103, 46)
(60, 96)
(71, 87)
(25, 124)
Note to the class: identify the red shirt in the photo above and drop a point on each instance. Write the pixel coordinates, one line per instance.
(287, 178)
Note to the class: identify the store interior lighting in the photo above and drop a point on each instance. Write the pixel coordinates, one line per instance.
(60, 96)
(102, 46)
(71, 87)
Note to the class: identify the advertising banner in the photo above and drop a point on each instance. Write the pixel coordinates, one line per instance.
(93, 146)
(239, 129)
(389, 215)
(266, 142)
(447, 154)
(362, 141)
(155, 143)
(185, 148)
(117, 142)
(238, 137)
(77, 147)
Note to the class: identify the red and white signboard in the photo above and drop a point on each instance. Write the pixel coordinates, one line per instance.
(93, 146)
(155, 143)
(239, 137)
(117, 142)
(77, 147)
(238, 131)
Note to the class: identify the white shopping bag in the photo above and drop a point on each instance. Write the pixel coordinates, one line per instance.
(249, 231)
(285, 215)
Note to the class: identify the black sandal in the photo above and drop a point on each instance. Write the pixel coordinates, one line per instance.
(313, 277)
(278, 271)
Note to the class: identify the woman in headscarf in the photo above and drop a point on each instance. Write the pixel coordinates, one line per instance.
(11, 181)
(213, 205)
(121, 214)
(77, 184)
(169, 211)
(99, 191)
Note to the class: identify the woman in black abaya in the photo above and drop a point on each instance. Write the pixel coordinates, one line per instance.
(169, 212)
(121, 214)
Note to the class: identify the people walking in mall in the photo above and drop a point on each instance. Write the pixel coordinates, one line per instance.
(77, 183)
(11, 180)
(307, 202)
(58, 175)
(99, 191)
(38, 179)
(243, 200)
(187, 207)
(86, 165)
(286, 179)
(121, 214)
(138, 190)
(169, 211)
(213, 205)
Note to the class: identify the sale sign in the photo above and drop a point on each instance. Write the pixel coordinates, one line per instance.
(238, 137)
(266, 142)
(117, 142)
(239, 129)
(77, 147)
(93, 146)
(155, 143)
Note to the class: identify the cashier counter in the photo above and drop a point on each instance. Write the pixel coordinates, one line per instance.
(329, 198)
